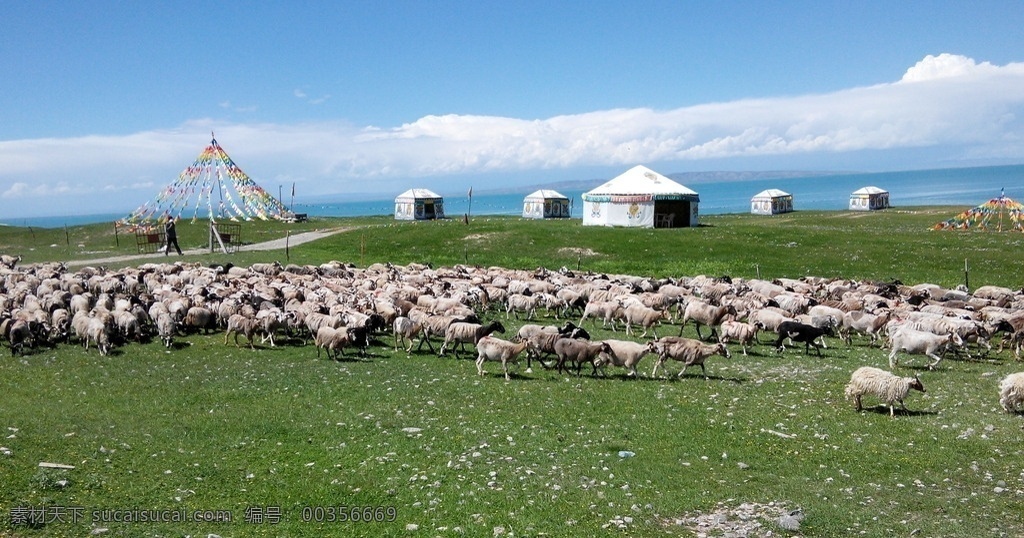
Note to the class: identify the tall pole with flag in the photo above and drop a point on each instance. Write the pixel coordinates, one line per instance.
(470, 210)
(292, 204)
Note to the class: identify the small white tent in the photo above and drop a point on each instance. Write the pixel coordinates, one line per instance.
(545, 204)
(771, 202)
(641, 197)
(419, 204)
(868, 199)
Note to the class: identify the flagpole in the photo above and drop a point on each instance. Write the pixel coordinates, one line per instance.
(470, 210)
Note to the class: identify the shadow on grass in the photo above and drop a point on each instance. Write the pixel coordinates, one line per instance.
(882, 409)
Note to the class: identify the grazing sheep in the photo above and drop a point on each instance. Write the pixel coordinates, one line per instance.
(687, 351)
(579, 352)
(921, 343)
(884, 385)
(60, 319)
(19, 334)
(624, 353)
(271, 321)
(239, 323)
(490, 348)
(405, 329)
(1011, 392)
(706, 314)
(462, 333)
(127, 325)
(744, 333)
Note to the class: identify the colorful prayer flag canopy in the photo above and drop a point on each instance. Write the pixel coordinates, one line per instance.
(214, 183)
(997, 213)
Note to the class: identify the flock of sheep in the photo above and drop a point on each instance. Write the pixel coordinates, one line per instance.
(338, 307)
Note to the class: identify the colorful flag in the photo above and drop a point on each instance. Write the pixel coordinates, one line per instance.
(470, 193)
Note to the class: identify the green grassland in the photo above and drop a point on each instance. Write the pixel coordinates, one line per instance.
(207, 426)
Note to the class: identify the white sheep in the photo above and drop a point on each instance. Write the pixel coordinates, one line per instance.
(200, 318)
(1011, 392)
(9, 261)
(239, 323)
(643, 316)
(744, 333)
(517, 303)
(406, 329)
(705, 314)
(921, 343)
(884, 385)
(624, 353)
(332, 341)
(96, 332)
(165, 328)
(490, 348)
(462, 333)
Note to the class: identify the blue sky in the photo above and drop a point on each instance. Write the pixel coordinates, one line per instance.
(104, 103)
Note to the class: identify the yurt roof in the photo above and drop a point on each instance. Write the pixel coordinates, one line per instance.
(546, 194)
(417, 194)
(771, 193)
(870, 190)
(641, 181)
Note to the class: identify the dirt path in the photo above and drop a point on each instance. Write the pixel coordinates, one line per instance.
(275, 244)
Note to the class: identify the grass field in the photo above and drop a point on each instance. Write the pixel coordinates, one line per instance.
(434, 450)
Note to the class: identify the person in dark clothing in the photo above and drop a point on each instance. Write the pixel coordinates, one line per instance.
(172, 236)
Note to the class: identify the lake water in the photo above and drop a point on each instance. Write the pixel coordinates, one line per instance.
(962, 187)
(966, 187)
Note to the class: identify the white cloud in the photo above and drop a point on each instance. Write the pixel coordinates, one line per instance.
(967, 109)
(946, 65)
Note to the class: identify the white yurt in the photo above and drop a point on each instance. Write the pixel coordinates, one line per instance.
(868, 199)
(545, 204)
(771, 202)
(419, 204)
(641, 197)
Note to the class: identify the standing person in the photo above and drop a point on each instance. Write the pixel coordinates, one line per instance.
(172, 236)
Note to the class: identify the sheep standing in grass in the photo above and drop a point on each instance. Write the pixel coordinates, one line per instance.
(884, 385)
(239, 323)
(332, 341)
(1011, 392)
(165, 328)
(97, 332)
(406, 329)
(490, 348)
